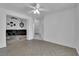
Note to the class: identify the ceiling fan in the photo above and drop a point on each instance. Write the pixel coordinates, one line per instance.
(36, 8)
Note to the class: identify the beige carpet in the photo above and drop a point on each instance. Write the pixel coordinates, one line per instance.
(36, 48)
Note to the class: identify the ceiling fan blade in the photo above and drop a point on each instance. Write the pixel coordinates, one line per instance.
(43, 9)
(37, 11)
(31, 6)
(31, 11)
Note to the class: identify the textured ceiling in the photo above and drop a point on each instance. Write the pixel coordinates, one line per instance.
(51, 7)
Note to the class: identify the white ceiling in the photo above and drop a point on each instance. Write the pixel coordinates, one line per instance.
(51, 7)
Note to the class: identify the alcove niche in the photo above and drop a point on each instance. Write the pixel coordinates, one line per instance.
(16, 28)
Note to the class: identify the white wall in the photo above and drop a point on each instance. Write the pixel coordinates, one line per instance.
(77, 28)
(2, 29)
(59, 27)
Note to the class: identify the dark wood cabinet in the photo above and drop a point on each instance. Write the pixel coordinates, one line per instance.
(16, 32)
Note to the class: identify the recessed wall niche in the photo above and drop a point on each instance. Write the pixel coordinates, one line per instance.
(14, 22)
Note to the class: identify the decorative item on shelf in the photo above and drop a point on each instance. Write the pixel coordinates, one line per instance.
(14, 24)
(11, 22)
(11, 25)
(21, 24)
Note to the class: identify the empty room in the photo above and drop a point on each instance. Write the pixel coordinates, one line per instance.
(39, 29)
